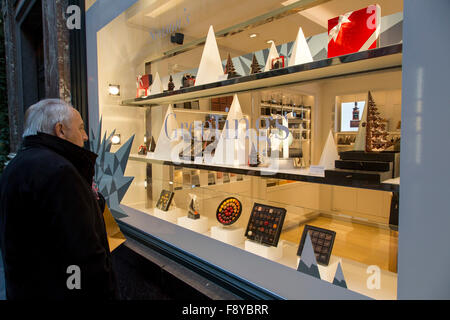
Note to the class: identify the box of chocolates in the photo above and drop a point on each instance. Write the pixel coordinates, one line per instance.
(164, 200)
(322, 241)
(265, 224)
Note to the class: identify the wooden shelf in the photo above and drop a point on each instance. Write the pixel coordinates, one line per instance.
(301, 174)
(374, 60)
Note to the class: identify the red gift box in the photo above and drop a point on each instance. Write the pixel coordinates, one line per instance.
(143, 83)
(354, 31)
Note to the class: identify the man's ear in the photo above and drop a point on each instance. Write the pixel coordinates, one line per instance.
(59, 132)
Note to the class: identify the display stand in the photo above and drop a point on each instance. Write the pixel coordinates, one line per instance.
(268, 252)
(198, 225)
(230, 235)
(170, 215)
(327, 272)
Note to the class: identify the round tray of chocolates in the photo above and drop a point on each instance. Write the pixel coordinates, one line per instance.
(229, 211)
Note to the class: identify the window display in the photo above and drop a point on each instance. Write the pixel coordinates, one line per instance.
(238, 142)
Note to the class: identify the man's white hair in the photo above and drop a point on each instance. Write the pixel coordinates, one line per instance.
(44, 115)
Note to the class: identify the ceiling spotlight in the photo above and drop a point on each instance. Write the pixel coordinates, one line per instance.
(253, 35)
(114, 90)
(115, 139)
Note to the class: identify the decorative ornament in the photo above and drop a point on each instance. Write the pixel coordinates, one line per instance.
(142, 150)
(110, 170)
(171, 85)
(188, 80)
(253, 159)
(278, 63)
(143, 82)
(193, 212)
(300, 52)
(376, 134)
(354, 31)
(308, 262)
(339, 279)
(256, 68)
(210, 69)
(165, 199)
(229, 69)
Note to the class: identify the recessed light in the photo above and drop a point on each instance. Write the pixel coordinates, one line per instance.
(115, 139)
(114, 90)
(253, 35)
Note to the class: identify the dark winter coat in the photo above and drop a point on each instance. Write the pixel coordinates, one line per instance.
(50, 220)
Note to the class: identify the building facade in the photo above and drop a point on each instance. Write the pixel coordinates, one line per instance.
(141, 71)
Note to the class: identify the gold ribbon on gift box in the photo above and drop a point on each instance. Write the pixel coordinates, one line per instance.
(115, 236)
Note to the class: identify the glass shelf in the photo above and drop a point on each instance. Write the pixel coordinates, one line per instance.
(301, 174)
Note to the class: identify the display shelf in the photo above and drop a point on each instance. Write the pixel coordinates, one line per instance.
(279, 106)
(389, 57)
(301, 174)
(194, 111)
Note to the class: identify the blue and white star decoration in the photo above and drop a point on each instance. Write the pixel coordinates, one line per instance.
(110, 170)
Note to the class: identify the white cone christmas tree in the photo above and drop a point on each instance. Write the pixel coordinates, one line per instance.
(329, 153)
(231, 148)
(166, 140)
(273, 54)
(300, 52)
(157, 86)
(210, 69)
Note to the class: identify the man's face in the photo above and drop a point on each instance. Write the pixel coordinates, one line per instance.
(72, 130)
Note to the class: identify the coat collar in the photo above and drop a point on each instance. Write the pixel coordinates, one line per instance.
(82, 159)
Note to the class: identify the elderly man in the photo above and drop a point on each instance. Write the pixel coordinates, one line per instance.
(52, 233)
